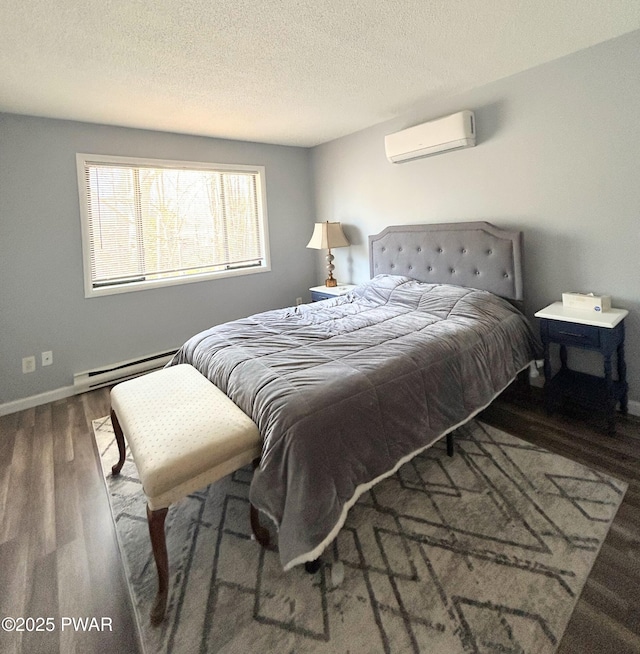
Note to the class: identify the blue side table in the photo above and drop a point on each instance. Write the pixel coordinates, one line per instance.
(601, 332)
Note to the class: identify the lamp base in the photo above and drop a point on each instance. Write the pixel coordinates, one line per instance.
(331, 282)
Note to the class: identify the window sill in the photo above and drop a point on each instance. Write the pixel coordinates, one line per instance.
(116, 289)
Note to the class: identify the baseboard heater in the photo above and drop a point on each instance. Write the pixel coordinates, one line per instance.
(117, 372)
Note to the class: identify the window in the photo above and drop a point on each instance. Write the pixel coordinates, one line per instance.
(148, 223)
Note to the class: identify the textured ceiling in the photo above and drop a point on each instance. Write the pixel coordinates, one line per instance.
(295, 72)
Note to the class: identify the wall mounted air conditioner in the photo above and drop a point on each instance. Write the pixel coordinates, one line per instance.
(448, 133)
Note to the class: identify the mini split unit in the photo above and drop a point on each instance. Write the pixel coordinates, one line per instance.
(449, 133)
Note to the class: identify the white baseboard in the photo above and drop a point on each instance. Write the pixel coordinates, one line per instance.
(37, 400)
(91, 379)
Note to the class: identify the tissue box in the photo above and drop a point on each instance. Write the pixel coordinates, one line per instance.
(587, 301)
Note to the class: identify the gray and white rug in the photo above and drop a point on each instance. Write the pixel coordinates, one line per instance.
(487, 551)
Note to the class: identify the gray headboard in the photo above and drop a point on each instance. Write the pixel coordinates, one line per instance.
(472, 254)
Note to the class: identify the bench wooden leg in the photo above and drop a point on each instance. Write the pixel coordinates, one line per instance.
(159, 546)
(260, 532)
(117, 430)
(450, 448)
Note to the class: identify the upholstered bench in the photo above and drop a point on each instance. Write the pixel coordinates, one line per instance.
(183, 433)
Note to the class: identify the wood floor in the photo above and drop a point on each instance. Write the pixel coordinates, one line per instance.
(58, 553)
(59, 557)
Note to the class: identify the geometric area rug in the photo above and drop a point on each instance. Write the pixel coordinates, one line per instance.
(484, 552)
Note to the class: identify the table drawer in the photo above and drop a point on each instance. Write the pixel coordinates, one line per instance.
(316, 296)
(570, 333)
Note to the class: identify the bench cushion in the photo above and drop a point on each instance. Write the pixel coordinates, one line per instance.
(183, 432)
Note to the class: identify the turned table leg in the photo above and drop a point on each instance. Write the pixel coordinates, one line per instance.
(622, 377)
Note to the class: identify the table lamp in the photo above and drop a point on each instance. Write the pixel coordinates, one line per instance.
(326, 236)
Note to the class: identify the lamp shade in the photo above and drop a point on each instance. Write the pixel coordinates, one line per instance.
(327, 236)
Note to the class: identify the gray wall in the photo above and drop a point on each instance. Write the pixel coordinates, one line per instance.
(558, 157)
(42, 303)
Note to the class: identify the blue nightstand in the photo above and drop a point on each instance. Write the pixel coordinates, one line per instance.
(601, 332)
(325, 292)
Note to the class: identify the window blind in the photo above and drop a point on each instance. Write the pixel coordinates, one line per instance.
(150, 222)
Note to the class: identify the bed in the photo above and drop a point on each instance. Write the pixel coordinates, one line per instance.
(346, 390)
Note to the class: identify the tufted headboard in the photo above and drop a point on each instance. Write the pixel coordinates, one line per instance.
(471, 254)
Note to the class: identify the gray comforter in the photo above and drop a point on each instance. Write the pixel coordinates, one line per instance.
(345, 390)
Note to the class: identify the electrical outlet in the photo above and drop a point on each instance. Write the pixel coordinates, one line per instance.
(47, 358)
(28, 364)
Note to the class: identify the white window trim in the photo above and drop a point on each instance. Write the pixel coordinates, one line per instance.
(91, 291)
